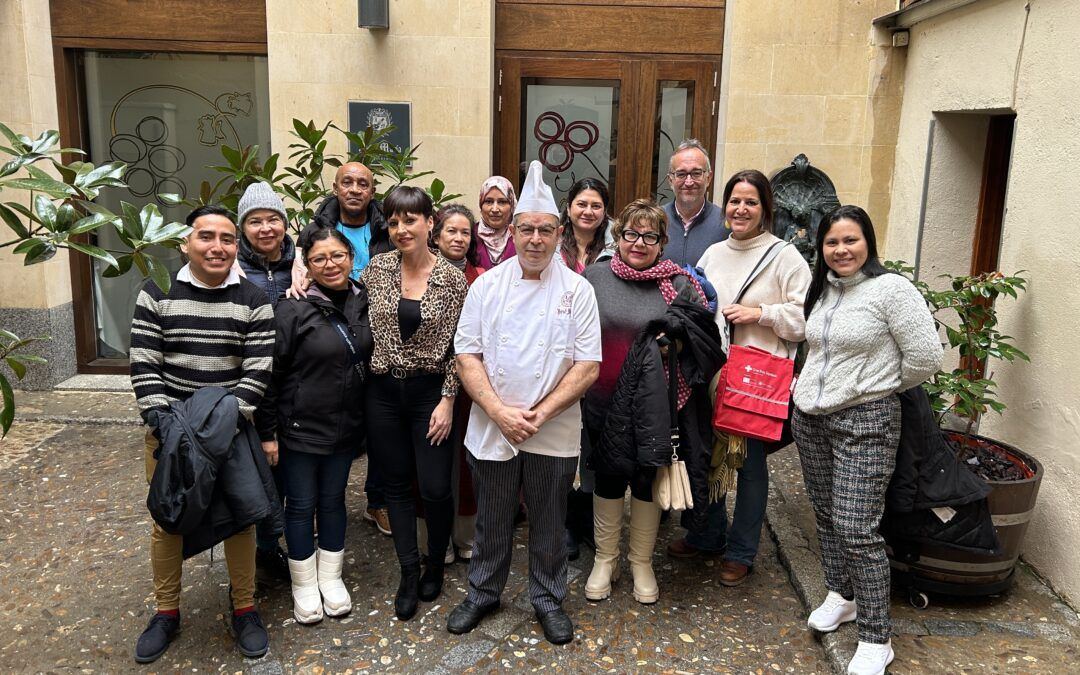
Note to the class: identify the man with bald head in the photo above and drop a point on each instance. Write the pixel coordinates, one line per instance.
(353, 211)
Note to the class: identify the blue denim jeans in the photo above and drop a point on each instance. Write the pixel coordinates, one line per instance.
(315, 488)
(751, 496)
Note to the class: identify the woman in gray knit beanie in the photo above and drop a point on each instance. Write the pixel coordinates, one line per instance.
(870, 336)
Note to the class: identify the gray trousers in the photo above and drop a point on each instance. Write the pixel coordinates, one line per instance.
(545, 482)
(847, 460)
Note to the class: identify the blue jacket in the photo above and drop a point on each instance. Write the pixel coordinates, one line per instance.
(273, 277)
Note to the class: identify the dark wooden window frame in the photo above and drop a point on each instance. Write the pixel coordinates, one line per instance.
(103, 25)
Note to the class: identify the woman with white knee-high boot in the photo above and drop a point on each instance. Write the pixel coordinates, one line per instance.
(313, 414)
(632, 289)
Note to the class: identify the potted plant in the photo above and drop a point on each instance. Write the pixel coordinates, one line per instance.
(965, 310)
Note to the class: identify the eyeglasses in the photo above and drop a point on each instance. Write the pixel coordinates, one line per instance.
(545, 232)
(650, 238)
(681, 176)
(337, 257)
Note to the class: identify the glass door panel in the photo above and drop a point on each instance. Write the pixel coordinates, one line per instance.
(571, 126)
(674, 118)
(166, 115)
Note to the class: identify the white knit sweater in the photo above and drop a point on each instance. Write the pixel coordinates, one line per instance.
(868, 337)
(779, 290)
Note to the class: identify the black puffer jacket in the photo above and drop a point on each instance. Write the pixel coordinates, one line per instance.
(273, 277)
(329, 215)
(211, 480)
(928, 475)
(637, 428)
(315, 399)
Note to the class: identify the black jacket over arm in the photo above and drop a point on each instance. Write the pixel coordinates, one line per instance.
(315, 401)
(637, 428)
(212, 479)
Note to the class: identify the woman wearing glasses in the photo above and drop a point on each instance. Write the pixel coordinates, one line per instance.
(416, 298)
(312, 419)
(632, 289)
(768, 316)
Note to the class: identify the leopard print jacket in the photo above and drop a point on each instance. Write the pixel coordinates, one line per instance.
(431, 348)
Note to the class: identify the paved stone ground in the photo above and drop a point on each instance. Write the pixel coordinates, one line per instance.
(75, 586)
(1027, 629)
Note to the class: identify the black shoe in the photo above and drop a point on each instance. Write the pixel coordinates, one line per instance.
(558, 629)
(467, 616)
(408, 592)
(431, 582)
(156, 638)
(273, 563)
(251, 637)
(573, 547)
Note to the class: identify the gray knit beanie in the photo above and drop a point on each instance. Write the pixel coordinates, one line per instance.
(260, 196)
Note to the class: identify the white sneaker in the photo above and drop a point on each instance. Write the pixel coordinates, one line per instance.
(871, 659)
(833, 612)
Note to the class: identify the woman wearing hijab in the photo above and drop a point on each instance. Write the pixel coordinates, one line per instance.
(497, 201)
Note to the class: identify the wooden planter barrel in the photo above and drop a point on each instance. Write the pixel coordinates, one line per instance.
(1012, 503)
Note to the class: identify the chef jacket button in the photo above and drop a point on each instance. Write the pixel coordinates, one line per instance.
(537, 375)
(543, 312)
(541, 343)
(501, 371)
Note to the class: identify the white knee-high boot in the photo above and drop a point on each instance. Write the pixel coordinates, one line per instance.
(335, 597)
(307, 604)
(607, 526)
(644, 522)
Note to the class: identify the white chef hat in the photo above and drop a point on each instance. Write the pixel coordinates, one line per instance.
(535, 194)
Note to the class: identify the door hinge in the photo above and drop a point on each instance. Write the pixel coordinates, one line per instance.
(500, 102)
(715, 74)
(500, 77)
(713, 109)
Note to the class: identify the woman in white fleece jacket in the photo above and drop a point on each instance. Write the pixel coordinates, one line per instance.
(870, 336)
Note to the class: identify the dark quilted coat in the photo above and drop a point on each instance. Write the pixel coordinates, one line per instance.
(637, 427)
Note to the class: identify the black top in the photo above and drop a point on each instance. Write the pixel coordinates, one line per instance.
(408, 318)
(338, 297)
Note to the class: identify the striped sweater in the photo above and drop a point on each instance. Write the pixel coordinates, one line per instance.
(197, 337)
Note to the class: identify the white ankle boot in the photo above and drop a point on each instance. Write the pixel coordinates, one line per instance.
(871, 659)
(644, 522)
(335, 597)
(307, 604)
(833, 612)
(607, 526)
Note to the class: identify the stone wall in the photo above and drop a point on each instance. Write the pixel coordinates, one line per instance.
(989, 57)
(438, 55)
(35, 300)
(810, 77)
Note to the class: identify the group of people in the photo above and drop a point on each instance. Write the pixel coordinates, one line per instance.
(486, 365)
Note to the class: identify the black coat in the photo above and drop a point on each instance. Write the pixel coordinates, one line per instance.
(211, 480)
(928, 475)
(637, 427)
(315, 402)
(273, 277)
(329, 215)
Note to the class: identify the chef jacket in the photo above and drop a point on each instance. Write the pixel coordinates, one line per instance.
(529, 333)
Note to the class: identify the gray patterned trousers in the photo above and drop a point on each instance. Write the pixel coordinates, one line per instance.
(545, 482)
(847, 459)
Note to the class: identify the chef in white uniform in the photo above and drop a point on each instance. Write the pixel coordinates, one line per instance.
(528, 346)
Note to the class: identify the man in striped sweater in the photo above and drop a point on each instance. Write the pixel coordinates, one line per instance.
(213, 328)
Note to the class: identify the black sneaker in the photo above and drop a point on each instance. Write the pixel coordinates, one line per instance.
(156, 638)
(251, 637)
(272, 563)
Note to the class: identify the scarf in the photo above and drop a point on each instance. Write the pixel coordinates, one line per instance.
(662, 273)
(495, 240)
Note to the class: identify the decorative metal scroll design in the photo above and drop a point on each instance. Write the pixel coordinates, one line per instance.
(153, 163)
(573, 139)
(803, 195)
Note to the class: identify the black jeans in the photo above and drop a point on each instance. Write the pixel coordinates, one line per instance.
(614, 487)
(398, 413)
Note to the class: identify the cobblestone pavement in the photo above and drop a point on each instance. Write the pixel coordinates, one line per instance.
(75, 586)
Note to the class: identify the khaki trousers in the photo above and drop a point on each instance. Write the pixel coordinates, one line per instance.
(167, 559)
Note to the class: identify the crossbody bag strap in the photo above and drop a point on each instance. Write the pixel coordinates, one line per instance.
(762, 263)
(352, 349)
